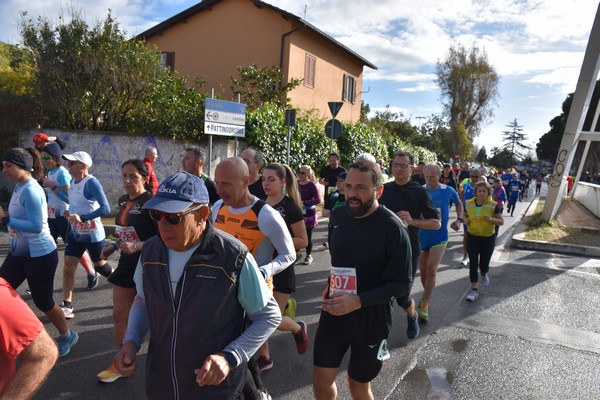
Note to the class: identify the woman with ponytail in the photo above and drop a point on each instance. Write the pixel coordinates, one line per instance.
(279, 183)
(32, 255)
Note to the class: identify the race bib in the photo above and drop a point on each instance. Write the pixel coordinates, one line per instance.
(51, 212)
(342, 279)
(84, 228)
(126, 233)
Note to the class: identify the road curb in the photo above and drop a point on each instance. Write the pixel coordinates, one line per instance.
(519, 241)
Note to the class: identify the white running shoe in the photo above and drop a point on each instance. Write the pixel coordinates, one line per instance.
(473, 295)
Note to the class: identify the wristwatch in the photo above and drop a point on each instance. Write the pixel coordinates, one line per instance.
(230, 358)
(460, 219)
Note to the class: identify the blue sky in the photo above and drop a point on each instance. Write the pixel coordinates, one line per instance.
(536, 47)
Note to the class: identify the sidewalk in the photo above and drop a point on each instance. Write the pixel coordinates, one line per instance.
(570, 214)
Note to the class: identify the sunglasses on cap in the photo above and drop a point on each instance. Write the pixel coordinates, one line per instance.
(172, 218)
(46, 157)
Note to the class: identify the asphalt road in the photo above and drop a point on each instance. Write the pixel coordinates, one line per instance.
(534, 333)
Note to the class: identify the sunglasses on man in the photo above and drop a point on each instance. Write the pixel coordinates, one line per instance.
(172, 218)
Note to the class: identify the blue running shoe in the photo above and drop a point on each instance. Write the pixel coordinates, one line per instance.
(66, 342)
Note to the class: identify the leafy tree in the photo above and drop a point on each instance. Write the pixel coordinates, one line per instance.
(549, 144)
(171, 108)
(481, 155)
(502, 159)
(365, 109)
(390, 124)
(16, 70)
(259, 85)
(17, 110)
(88, 77)
(469, 86)
(436, 136)
(514, 139)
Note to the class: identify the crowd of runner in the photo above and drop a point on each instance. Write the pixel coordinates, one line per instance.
(226, 249)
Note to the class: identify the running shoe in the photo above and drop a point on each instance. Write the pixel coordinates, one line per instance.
(68, 311)
(326, 245)
(264, 363)
(92, 281)
(485, 280)
(465, 260)
(423, 313)
(109, 375)
(264, 395)
(66, 341)
(308, 260)
(473, 295)
(301, 338)
(412, 331)
(290, 308)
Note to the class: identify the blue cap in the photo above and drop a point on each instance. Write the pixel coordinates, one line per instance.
(54, 150)
(178, 192)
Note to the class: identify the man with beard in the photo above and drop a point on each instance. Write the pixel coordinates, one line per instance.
(371, 265)
(413, 205)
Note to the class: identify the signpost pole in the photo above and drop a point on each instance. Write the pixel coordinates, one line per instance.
(209, 158)
(239, 99)
(289, 138)
(331, 140)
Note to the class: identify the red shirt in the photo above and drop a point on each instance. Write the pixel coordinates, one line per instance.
(19, 326)
(151, 180)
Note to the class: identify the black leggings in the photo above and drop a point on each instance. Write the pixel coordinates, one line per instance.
(309, 232)
(253, 383)
(39, 272)
(480, 249)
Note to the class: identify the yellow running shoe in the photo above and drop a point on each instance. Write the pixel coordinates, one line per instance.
(109, 375)
(290, 308)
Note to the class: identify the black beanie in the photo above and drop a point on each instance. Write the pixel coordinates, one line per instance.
(20, 157)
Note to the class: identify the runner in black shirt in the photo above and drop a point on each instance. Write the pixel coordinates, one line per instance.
(328, 175)
(370, 256)
(411, 202)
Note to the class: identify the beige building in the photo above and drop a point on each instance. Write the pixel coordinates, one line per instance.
(214, 37)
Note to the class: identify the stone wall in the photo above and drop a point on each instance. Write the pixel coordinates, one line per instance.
(110, 149)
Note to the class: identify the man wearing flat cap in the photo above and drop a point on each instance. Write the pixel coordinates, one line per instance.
(195, 285)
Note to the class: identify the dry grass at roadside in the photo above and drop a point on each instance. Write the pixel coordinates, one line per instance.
(551, 231)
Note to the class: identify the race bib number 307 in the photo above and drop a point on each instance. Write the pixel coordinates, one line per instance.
(342, 279)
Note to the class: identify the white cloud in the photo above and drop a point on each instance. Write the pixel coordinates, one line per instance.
(420, 87)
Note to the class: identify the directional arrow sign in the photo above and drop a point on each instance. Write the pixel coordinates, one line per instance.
(224, 118)
(334, 107)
